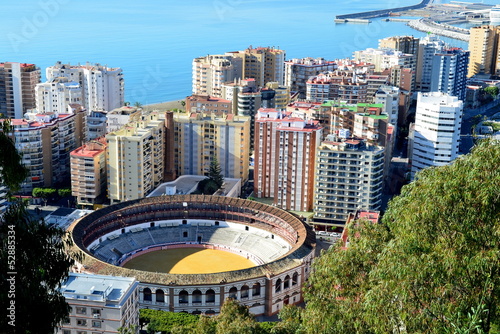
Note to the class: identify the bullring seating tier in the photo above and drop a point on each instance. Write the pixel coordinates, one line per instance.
(259, 244)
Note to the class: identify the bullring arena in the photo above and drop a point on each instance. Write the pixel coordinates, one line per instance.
(274, 246)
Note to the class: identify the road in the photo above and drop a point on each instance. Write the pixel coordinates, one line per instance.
(467, 140)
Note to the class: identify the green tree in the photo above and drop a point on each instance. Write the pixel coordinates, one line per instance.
(33, 258)
(12, 172)
(132, 329)
(235, 318)
(64, 192)
(40, 263)
(492, 90)
(291, 320)
(337, 291)
(44, 193)
(163, 321)
(432, 263)
(215, 172)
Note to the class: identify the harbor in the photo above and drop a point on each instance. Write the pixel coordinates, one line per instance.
(435, 18)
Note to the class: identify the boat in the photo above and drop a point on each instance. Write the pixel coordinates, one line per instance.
(495, 15)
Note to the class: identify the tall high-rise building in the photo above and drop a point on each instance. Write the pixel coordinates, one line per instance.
(246, 99)
(102, 86)
(136, 157)
(298, 71)
(56, 95)
(427, 48)
(405, 44)
(200, 137)
(436, 135)
(45, 142)
(211, 71)
(449, 72)
(484, 47)
(349, 176)
(89, 172)
(285, 148)
(264, 64)
(17, 88)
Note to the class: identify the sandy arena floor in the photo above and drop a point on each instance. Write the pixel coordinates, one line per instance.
(189, 261)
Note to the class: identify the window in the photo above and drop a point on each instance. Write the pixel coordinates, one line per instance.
(96, 312)
(81, 322)
(147, 295)
(295, 278)
(81, 310)
(244, 291)
(66, 331)
(183, 297)
(197, 297)
(286, 283)
(160, 296)
(210, 296)
(233, 293)
(96, 324)
(277, 287)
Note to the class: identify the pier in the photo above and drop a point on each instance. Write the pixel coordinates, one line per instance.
(440, 29)
(381, 12)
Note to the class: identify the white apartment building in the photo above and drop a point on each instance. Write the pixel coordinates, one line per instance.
(102, 86)
(96, 125)
(385, 58)
(298, 71)
(427, 48)
(211, 71)
(99, 303)
(55, 95)
(349, 176)
(388, 96)
(136, 158)
(436, 135)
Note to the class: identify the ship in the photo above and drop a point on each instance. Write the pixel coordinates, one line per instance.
(495, 15)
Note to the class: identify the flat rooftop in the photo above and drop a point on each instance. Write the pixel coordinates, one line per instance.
(96, 287)
(186, 184)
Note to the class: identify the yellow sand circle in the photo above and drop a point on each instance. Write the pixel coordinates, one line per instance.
(189, 261)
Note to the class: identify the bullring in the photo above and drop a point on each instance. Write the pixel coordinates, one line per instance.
(279, 243)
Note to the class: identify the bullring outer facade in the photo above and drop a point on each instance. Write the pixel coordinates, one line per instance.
(280, 244)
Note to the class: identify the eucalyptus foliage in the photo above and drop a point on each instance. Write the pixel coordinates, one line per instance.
(431, 266)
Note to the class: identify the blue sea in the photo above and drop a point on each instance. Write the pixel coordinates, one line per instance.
(154, 41)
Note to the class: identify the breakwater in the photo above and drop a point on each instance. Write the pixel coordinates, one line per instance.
(440, 29)
(381, 12)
